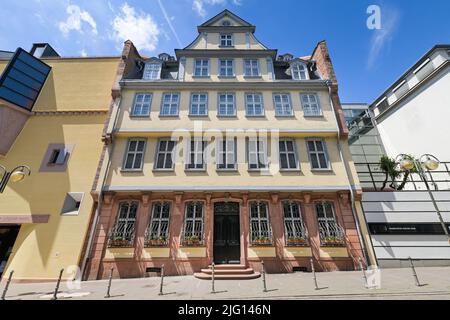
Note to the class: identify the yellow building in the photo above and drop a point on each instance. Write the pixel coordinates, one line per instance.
(57, 133)
(227, 153)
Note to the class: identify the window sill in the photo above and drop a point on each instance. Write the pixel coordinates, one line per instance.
(224, 47)
(226, 116)
(201, 77)
(227, 77)
(253, 77)
(195, 170)
(163, 170)
(227, 170)
(256, 116)
(284, 116)
(314, 116)
(322, 170)
(258, 170)
(139, 117)
(169, 116)
(131, 170)
(198, 115)
(291, 170)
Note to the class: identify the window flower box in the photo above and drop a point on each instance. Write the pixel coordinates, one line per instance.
(192, 241)
(297, 241)
(333, 242)
(156, 242)
(119, 243)
(262, 241)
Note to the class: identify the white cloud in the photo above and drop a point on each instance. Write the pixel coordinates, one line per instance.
(83, 53)
(76, 19)
(140, 28)
(381, 37)
(199, 5)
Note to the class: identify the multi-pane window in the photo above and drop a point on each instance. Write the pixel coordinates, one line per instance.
(288, 155)
(193, 224)
(257, 154)
(199, 104)
(226, 104)
(142, 102)
(251, 67)
(170, 103)
(158, 228)
(310, 104)
(259, 223)
(226, 154)
(299, 71)
(282, 102)
(254, 104)
(152, 71)
(329, 230)
(294, 228)
(317, 154)
(196, 154)
(201, 67)
(135, 154)
(122, 234)
(226, 67)
(165, 154)
(226, 40)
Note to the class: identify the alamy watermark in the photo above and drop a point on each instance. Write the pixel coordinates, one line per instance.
(374, 19)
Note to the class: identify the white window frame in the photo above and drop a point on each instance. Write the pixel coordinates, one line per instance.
(158, 220)
(198, 103)
(282, 105)
(140, 105)
(135, 154)
(199, 153)
(315, 153)
(259, 221)
(226, 68)
(297, 223)
(228, 38)
(252, 104)
(171, 104)
(202, 68)
(287, 153)
(195, 218)
(165, 153)
(297, 69)
(227, 104)
(226, 153)
(251, 68)
(150, 72)
(257, 148)
(311, 108)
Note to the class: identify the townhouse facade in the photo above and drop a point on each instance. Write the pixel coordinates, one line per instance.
(227, 153)
(52, 114)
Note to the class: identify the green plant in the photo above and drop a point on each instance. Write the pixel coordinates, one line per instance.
(393, 171)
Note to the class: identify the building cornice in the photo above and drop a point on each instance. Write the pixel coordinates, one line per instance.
(231, 29)
(69, 113)
(220, 53)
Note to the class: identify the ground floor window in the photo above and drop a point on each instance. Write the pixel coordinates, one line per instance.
(294, 228)
(331, 233)
(193, 223)
(158, 229)
(260, 232)
(122, 234)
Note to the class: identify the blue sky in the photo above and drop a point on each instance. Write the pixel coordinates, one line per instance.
(366, 61)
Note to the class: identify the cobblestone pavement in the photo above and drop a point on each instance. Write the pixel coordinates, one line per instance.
(395, 284)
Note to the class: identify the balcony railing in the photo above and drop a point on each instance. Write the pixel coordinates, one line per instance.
(372, 178)
(122, 236)
(331, 233)
(298, 235)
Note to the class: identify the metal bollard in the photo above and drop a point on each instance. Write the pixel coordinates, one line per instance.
(263, 271)
(108, 291)
(162, 281)
(7, 285)
(55, 297)
(213, 290)
(314, 275)
(414, 272)
(363, 272)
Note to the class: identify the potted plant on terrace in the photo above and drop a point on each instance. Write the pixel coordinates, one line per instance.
(156, 241)
(333, 241)
(192, 241)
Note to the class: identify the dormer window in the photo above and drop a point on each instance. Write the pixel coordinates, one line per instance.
(152, 71)
(226, 40)
(299, 71)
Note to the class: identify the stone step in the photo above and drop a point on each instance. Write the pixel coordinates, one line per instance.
(228, 271)
(204, 276)
(228, 266)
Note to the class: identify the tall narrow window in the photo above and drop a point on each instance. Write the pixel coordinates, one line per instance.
(251, 67)
(226, 104)
(294, 228)
(226, 40)
(152, 71)
(196, 154)
(260, 231)
(254, 104)
(226, 68)
(299, 71)
(310, 104)
(199, 104)
(142, 102)
(288, 155)
(164, 155)
(170, 103)
(158, 230)
(282, 102)
(122, 234)
(135, 154)
(330, 231)
(317, 154)
(226, 154)
(193, 223)
(201, 68)
(257, 154)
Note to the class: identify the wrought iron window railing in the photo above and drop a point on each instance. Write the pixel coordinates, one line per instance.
(260, 230)
(123, 232)
(296, 233)
(192, 234)
(331, 233)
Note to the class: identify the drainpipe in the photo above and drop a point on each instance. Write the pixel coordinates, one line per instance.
(347, 171)
(87, 256)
